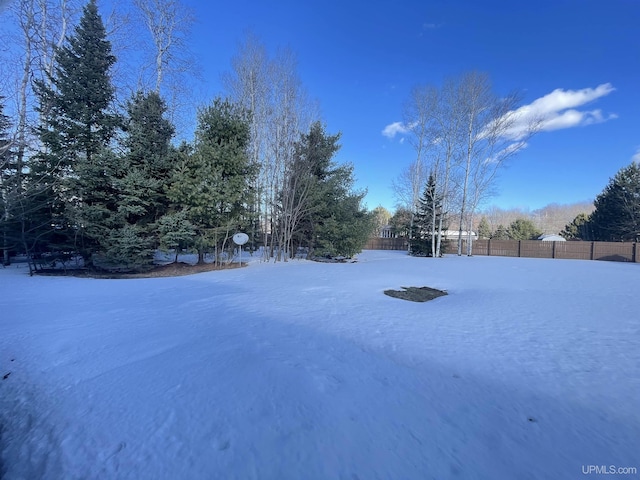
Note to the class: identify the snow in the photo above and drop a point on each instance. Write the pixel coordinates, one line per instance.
(528, 369)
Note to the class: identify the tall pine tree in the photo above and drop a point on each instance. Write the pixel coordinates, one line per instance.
(9, 186)
(484, 230)
(139, 185)
(72, 172)
(617, 214)
(213, 183)
(332, 220)
(578, 229)
(426, 220)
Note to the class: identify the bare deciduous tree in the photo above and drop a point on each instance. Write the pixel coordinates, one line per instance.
(271, 90)
(38, 28)
(169, 23)
(467, 133)
(417, 114)
(248, 85)
(487, 121)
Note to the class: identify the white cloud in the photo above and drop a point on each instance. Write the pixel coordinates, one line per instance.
(507, 151)
(558, 110)
(636, 157)
(393, 129)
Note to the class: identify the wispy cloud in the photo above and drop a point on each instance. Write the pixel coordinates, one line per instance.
(636, 157)
(558, 110)
(507, 152)
(428, 26)
(393, 129)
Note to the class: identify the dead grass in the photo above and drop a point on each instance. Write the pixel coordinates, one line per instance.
(171, 270)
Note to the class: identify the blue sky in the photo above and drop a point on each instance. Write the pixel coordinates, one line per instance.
(360, 60)
(576, 61)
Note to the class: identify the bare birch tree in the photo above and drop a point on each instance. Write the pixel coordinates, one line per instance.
(467, 134)
(169, 23)
(417, 121)
(444, 129)
(488, 121)
(287, 122)
(171, 63)
(248, 84)
(38, 28)
(271, 89)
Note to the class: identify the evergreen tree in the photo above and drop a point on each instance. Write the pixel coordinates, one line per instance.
(75, 108)
(139, 183)
(400, 222)
(426, 220)
(332, 221)
(617, 213)
(484, 231)
(501, 233)
(9, 184)
(382, 217)
(94, 215)
(148, 161)
(523, 229)
(76, 127)
(213, 182)
(578, 229)
(342, 225)
(304, 199)
(176, 232)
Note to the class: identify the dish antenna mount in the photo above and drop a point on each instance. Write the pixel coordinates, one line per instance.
(240, 239)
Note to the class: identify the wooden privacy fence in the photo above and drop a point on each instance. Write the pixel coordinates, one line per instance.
(611, 251)
(377, 243)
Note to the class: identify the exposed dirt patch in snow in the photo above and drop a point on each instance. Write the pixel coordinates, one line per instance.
(416, 294)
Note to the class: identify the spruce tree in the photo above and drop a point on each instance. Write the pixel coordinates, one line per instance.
(72, 172)
(428, 212)
(578, 229)
(305, 197)
(484, 231)
(139, 184)
(9, 183)
(401, 222)
(523, 229)
(213, 183)
(342, 225)
(333, 221)
(77, 123)
(617, 213)
(501, 233)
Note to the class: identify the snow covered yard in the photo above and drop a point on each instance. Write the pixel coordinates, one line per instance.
(528, 369)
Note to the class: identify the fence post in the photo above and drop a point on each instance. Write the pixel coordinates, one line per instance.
(519, 247)
(593, 244)
(489, 248)
(553, 250)
(636, 251)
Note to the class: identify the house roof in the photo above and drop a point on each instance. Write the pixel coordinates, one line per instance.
(552, 238)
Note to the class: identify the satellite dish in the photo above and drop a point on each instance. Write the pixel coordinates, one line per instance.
(240, 238)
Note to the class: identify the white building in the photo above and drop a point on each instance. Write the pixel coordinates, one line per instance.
(453, 235)
(551, 238)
